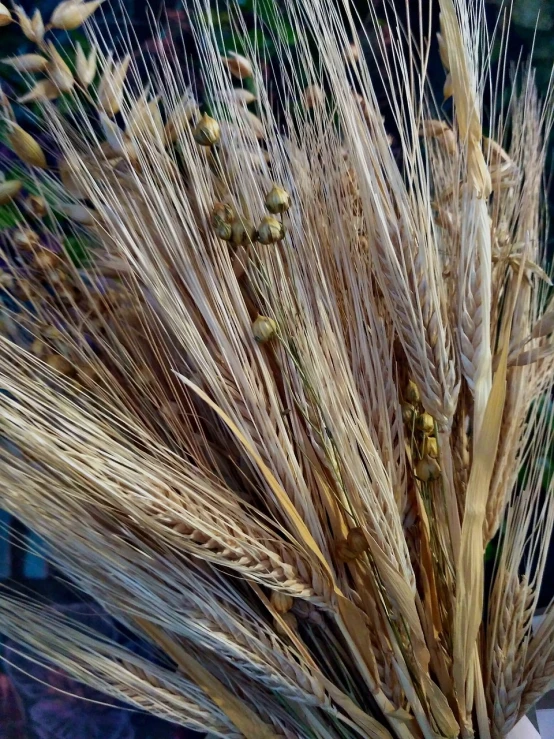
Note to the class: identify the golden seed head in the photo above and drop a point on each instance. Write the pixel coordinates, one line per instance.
(412, 393)
(68, 16)
(5, 15)
(344, 553)
(281, 602)
(8, 190)
(356, 541)
(270, 231)
(408, 413)
(426, 423)
(264, 329)
(25, 238)
(25, 146)
(291, 622)
(427, 469)
(206, 132)
(431, 447)
(36, 205)
(277, 200)
(222, 213)
(224, 231)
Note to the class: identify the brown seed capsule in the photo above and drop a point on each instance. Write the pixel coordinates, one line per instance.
(356, 541)
(408, 414)
(282, 602)
(431, 447)
(60, 364)
(8, 190)
(36, 206)
(277, 200)
(427, 469)
(412, 393)
(270, 231)
(426, 423)
(224, 231)
(207, 131)
(291, 622)
(264, 329)
(222, 213)
(344, 553)
(243, 232)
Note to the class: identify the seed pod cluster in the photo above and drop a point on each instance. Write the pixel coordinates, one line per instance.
(420, 427)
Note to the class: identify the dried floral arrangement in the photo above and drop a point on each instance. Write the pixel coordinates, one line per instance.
(273, 419)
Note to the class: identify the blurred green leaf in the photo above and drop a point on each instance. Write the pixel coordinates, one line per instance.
(77, 250)
(9, 216)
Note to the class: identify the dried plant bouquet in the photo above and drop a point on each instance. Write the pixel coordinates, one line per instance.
(296, 383)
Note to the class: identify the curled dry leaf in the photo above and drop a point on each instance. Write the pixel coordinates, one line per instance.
(43, 90)
(110, 90)
(5, 15)
(27, 62)
(59, 72)
(85, 67)
(25, 146)
(71, 14)
(238, 65)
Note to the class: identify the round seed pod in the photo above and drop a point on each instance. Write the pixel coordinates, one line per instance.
(222, 213)
(426, 423)
(277, 200)
(281, 602)
(290, 620)
(344, 553)
(408, 414)
(264, 329)
(206, 131)
(224, 231)
(356, 541)
(270, 231)
(427, 469)
(431, 447)
(243, 233)
(412, 393)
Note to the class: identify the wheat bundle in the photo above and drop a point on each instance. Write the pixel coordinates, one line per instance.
(299, 383)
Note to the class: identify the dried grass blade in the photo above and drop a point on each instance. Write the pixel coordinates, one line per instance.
(236, 710)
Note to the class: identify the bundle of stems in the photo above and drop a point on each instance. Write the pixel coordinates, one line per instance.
(274, 419)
